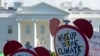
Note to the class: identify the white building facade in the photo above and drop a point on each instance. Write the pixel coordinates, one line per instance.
(83, 12)
(29, 24)
(91, 15)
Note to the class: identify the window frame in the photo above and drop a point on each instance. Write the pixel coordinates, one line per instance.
(42, 29)
(10, 29)
(28, 29)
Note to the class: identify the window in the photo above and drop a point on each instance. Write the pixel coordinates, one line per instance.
(42, 29)
(28, 29)
(9, 29)
(75, 12)
(88, 12)
(98, 12)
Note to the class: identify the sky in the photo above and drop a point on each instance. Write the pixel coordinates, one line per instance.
(93, 4)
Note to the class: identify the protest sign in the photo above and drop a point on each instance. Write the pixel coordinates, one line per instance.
(69, 41)
(14, 48)
(94, 44)
(23, 52)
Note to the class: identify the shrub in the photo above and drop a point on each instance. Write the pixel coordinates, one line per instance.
(53, 54)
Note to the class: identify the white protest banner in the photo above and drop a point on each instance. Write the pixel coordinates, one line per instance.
(94, 44)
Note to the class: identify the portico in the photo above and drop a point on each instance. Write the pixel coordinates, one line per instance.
(33, 24)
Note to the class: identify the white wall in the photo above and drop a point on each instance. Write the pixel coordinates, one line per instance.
(4, 36)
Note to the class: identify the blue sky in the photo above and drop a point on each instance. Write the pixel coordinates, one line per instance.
(93, 4)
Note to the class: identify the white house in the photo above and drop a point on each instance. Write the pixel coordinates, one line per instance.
(29, 24)
(82, 12)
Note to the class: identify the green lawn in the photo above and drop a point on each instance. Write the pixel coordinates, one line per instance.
(1, 54)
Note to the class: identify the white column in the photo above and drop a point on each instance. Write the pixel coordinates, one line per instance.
(51, 40)
(51, 43)
(19, 31)
(35, 33)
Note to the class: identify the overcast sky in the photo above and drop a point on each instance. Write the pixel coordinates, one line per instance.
(93, 4)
